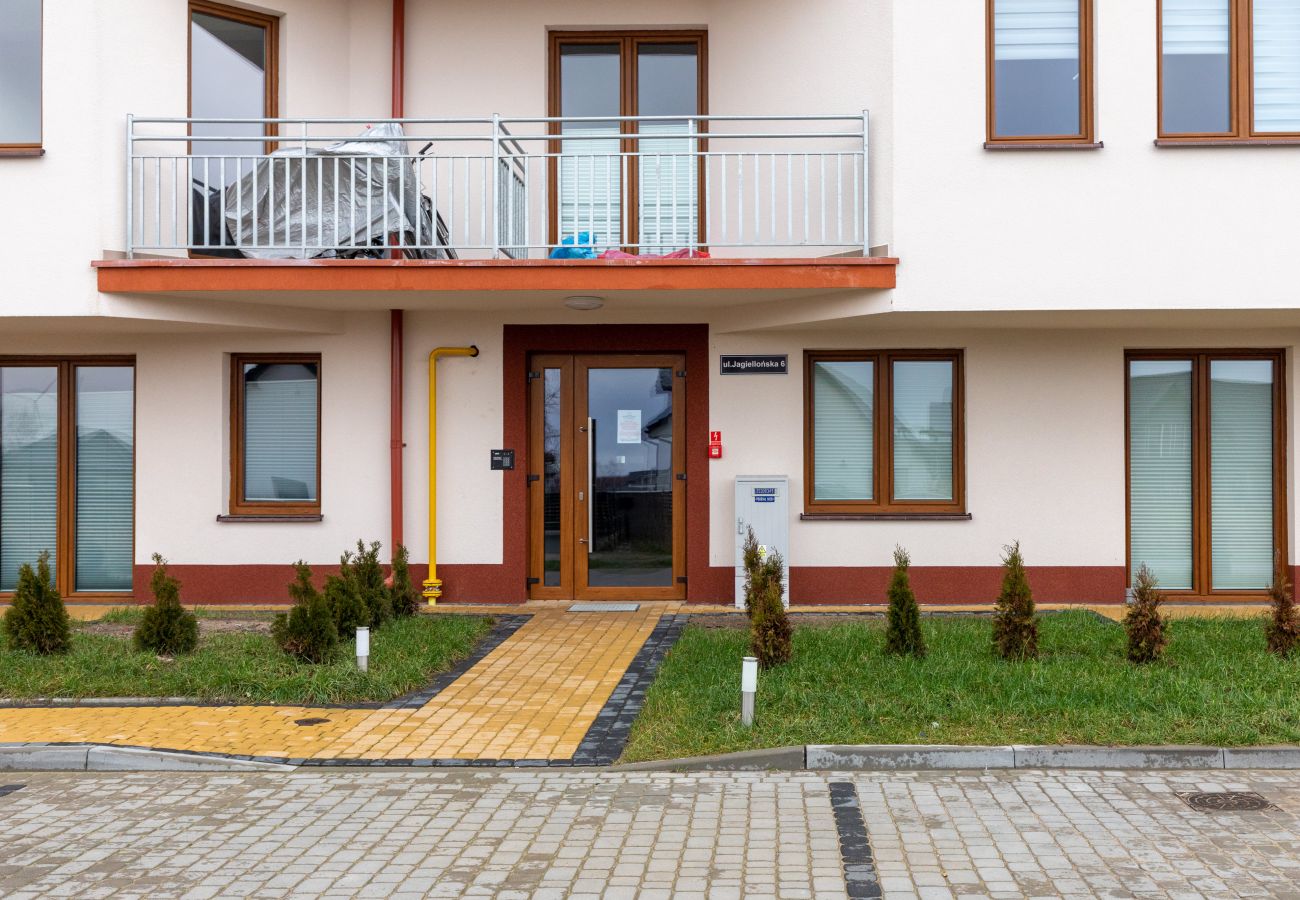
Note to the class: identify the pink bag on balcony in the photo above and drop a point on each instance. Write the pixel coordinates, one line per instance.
(676, 254)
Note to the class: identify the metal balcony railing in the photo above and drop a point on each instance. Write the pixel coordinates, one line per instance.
(498, 188)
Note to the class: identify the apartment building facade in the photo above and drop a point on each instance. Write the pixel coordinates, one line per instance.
(528, 285)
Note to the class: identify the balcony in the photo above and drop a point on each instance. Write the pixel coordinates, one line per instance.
(494, 204)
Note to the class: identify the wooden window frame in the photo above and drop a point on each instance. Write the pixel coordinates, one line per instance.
(65, 564)
(1085, 138)
(29, 148)
(883, 504)
(239, 507)
(1241, 88)
(1202, 576)
(628, 42)
(271, 98)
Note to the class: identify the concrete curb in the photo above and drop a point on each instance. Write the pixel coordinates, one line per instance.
(103, 758)
(776, 759)
(38, 757)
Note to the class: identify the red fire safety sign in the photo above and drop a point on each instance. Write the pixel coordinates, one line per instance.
(715, 445)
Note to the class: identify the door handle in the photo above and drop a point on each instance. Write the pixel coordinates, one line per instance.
(591, 463)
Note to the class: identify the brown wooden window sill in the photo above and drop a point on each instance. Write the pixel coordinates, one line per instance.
(1044, 145)
(271, 517)
(885, 517)
(1228, 142)
(22, 151)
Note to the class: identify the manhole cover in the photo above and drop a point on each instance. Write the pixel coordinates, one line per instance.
(1225, 801)
(310, 721)
(10, 788)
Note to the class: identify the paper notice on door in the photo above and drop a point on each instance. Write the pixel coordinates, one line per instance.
(629, 426)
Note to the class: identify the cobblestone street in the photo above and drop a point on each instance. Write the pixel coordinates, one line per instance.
(535, 833)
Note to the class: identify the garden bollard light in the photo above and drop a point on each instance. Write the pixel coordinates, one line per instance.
(748, 685)
(363, 649)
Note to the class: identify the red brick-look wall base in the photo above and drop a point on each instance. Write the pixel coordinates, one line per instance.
(809, 585)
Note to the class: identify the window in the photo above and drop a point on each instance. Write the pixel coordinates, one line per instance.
(883, 432)
(1229, 69)
(597, 74)
(233, 75)
(1206, 487)
(1040, 71)
(275, 435)
(67, 471)
(20, 77)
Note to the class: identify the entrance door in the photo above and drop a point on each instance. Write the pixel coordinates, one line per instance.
(606, 492)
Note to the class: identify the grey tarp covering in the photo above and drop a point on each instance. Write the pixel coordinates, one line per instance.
(348, 194)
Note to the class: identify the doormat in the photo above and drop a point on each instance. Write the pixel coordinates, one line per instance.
(604, 607)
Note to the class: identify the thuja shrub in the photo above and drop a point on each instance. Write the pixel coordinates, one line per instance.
(367, 577)
(1143, 623)
(307, 633)
(403, 595)
(166, 628)
(37, 619)
(1283, 630)
(346, 605)
(903, 621)
(769, 624)
(1015, 623)
(752, 562)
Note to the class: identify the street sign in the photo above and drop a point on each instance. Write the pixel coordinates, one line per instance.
(755, 365)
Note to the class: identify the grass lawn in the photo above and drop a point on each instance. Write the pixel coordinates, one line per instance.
(1216, 685)
(242, 664)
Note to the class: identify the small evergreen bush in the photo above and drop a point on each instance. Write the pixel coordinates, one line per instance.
(307, 633)
(346, 605)
(1015, 623)
(37, 620)
(1143, 623)
(367, 577)
(903, 621)
(403, 595)
(166, 628)
(1283, 631)
(752, 562)
(769, 625)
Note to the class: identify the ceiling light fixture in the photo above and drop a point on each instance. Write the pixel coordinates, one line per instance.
(584, 302)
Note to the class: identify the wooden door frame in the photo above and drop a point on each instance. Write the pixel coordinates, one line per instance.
(627, 42)
(574, 459)
(538, 589)
(1202, 577)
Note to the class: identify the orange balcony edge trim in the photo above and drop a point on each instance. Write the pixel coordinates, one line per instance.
(132, 276)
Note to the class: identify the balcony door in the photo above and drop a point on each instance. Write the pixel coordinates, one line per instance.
(606, 478)
(621, 184)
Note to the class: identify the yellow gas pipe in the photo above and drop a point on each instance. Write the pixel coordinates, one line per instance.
(433, 584)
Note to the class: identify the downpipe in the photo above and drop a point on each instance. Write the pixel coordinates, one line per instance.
(433, 584)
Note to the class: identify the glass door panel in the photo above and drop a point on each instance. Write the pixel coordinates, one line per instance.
(630, 476)
(1241, 474)
(1160, 470)
(590, 167)
(29, 468)
(668, 171)
(105, 472)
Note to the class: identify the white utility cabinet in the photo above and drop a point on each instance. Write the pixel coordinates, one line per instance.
(763, 503)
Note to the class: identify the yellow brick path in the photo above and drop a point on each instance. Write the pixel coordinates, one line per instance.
(533, 697)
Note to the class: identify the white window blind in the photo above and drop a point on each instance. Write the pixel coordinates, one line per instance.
(1195, 27)
(922, 430)
(29, 466)
(280, 431)
(669, 180)
(1277, 65)
(105, 473)
(1160, 469)
(843, 430)
(591, 187)
(1036, 29)
(1241, 473)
